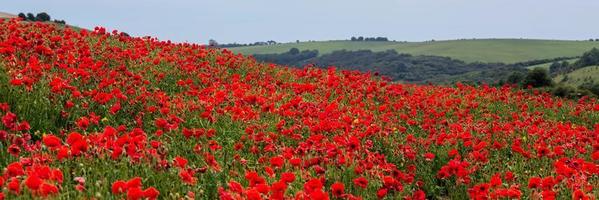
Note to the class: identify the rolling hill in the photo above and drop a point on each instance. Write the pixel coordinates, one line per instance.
(4, 15)
(483, 50)
(105, 116)
(579, 76)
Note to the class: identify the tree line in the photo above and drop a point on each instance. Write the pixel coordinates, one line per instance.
(361, 38)
(39, 17)
(214, 43)
(397, 66)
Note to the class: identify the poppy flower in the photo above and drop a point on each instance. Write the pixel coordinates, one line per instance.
(15, 169)
(288, 177)
(180, 162)
(235, 187)
(151, 193)
(429, 156)
(57, 175)
(74, 137)
(277, 161)
(253, 194)
(48, 189)
(135, 193)
(187, 177)
(51, 141)
(534, 182)
(14, 150)
(337, 189)
(361, 182)
(33, 182)
(14, 185)
(119, 187)
(134, 183)
(381, 193)
(319, 194)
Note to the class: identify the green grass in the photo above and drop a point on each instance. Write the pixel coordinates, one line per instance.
(483, 50)
(579, 76)
(546, 65)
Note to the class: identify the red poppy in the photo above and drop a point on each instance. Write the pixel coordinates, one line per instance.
(180, 162)
(33, 182)
(187, 177)
(151, 193)
(361, 182)
(52, 141)
(119, 187)
(14, 185)
(14, 150)
(288, 177)
(134, 183)
(337, 189)
(48, 189)
(135, 193)
(15, 169)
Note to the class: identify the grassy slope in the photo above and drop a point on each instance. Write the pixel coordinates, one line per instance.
(6, 15)
(578, 77)
(489, 110)
(485, 50)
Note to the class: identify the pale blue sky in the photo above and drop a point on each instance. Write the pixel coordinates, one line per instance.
(282, 20)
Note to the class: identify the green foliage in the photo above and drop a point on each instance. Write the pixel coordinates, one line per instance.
(538, 77)
(591, 87)
(42, 17)
(292, 57)
(563, 91)
(589, 58)
(30, 17)
(378, 39)
(515, 78)
(294, 51)
(396, 66)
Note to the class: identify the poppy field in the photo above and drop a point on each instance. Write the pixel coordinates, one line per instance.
(101, 115)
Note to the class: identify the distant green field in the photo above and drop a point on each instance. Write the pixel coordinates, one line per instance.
(546, 65)
(483, 50)
(579, 76)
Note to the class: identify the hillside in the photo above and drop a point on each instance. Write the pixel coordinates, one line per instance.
(95, 115)
(579, 76)
(4, 15)
(482, 50)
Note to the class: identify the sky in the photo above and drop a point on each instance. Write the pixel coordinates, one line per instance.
(245, 21)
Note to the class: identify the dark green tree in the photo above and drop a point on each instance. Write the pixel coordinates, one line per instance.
(515, 78)
(589, 58)
(30, 17)
(22, 16)
(42, 17)
(591, 86)
(538, 77)
(212, 43)
(555, 67)
(294, 51)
